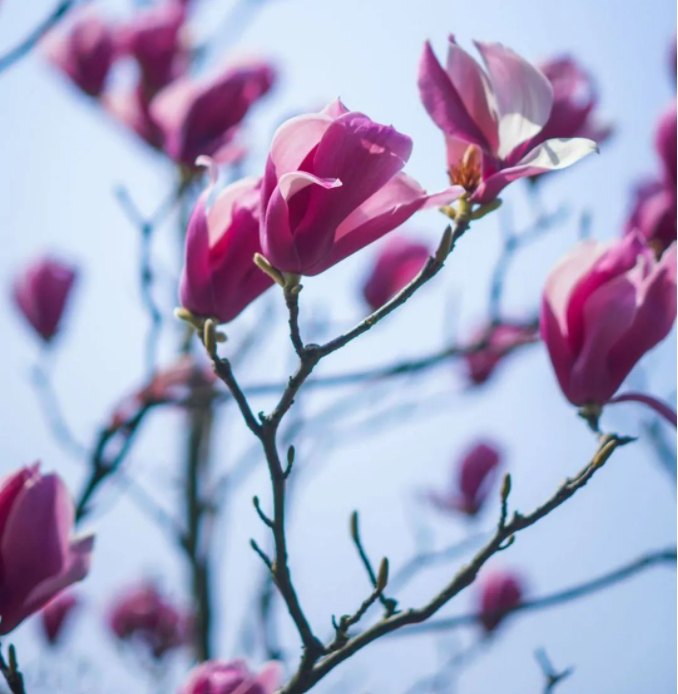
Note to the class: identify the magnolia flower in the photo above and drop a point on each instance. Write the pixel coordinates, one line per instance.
(334, 184)
(202, 118)
(653, 214)
(85, 53)
(575, 101)
(41, 293)
(472, 481)
(603, 308)
(666, 143)
(153, 39)
(490, 119)
(397, 264)
(232, 677)
(220, 278)
(500, 592)
(38, 555)
(497, 342)
(141, 613)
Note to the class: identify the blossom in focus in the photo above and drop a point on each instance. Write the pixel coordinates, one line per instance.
(495, 343)
(145, 616)
(153, 38)
(220, 278)
(603, 308)
(472, 481)
(85, 53)
(202, 118)
(489, 119)
(56, 614)
(334, 184)
(41, 294)
(38, 555)
(232, 677)
(500, 592)
(398, 263)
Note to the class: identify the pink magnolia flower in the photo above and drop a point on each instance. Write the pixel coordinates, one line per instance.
(202, 119)
(220, 278)
(397, 264)
(153, 39)
(41, 293)
(232, 677)
(666, 142)
(38, 555)
(56, 614)
(472, 482)
(575, 101)
(499, 340)
(500, 592)
(334, 184)
(85, 53)
(490, 119)
(653, 214)
(603, 307)
(143, 614)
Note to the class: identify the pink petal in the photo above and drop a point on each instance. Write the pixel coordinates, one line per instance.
(548, 156)
(475, 90)
(524, 95)
(444, 103)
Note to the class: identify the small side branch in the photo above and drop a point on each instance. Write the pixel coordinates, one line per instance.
(11, 673)
(553, 677)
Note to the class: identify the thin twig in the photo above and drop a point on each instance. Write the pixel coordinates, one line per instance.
(647, 561)
(11, 672)
(553, 677)
(33, 38)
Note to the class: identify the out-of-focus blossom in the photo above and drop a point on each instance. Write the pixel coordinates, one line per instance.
(232, 677)
(174, 384)
(653, 214)
(334, 184)
(603, 307)
(85, 53)
(666, 142)
(495, 344)
(472, 481)
(132, 109)
(202, 118)
(575, 101)
(220, 278)
(398, 263)
(56, 614)
(142, 614)
(153, 39)
(41, 293)
(500, 592)
(38, 555)
(490, 119)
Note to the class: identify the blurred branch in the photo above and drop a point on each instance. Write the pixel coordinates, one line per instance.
(11, 673)
(147, 227)
(513, 242)
(665, 453)
(553, 677)
(647, 561)
(24, 47)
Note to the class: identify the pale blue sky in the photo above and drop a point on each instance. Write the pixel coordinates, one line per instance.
(62, 161)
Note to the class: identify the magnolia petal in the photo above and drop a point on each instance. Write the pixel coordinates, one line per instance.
(549, 156)
(444, 103)
(524, 95)
(475, 90)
